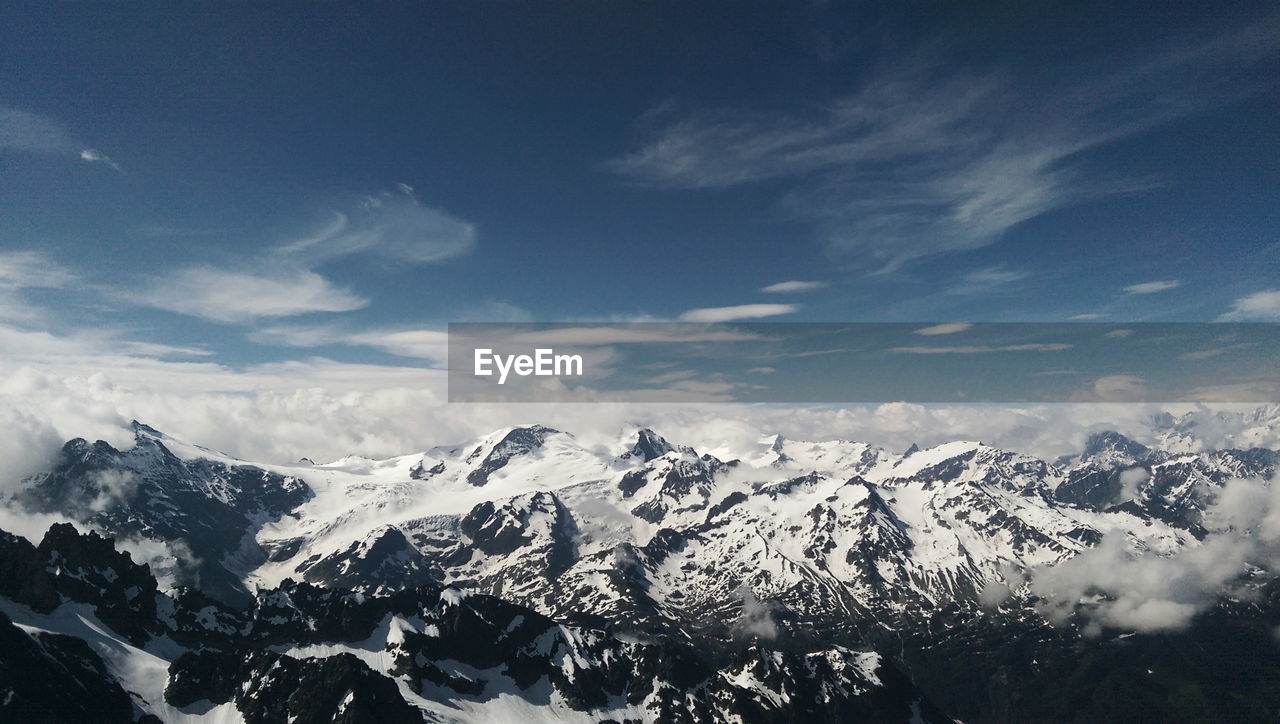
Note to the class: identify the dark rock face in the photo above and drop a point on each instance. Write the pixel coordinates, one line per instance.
(442, 644)
(649, 446)
(210, 508)
(387, 561)
(519, 441)
(503, 529)
(54, 678)
(85, 568)
(269, 687)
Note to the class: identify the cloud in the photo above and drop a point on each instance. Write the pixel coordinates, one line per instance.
(93, 156)
(1130, 482)
(390, 225)
(30, 270)
(1215, 352)
(28, 132)
(980, 349)
(1263, 306)
(21, 270)
(1114, 388)
(33, 133)
(429, 344)
(27, 446)
(629, 333)
(931, 157)
(947, 328)
(229, 296)
(757, 617)
(1086, 316)
(1127, 586)
(793, 287)
(1152, 287)
(989, 279)
(742, 311)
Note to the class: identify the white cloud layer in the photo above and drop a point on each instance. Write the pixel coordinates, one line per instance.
(1113, 586)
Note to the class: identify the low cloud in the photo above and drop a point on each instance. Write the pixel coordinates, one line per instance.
(1118, 586)
(742, 311)
(756, 619)
(29, 445)
(114, 487)
(1131, 481)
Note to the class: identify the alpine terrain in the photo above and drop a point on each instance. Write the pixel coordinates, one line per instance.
(525, 576)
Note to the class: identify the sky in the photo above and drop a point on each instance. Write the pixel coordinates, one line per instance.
(286, 198)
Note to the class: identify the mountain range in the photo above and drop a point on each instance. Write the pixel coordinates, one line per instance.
(525, 575)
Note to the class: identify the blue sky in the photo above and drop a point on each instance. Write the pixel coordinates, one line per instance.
(240, 185)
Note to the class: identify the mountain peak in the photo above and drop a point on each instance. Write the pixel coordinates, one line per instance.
(1110, 441)
(141, 428)
(649, 445)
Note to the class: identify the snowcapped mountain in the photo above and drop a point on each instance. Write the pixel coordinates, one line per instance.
(818, 550)
(89, 637)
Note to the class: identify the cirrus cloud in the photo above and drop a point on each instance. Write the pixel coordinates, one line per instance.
(221, 295)
(741, 311)
(793, 287)
(1152, 287)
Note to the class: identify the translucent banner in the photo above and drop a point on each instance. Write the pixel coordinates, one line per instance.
(952, 362)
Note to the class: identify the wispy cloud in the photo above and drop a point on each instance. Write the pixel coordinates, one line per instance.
(1210, 353)
(793, 287)
(27, 132)
(947, 328)
(392, 225)
(927, 159)
(1152, 287)
(93, 156)
(741, 311)
(21, 270)
(979, 349)
(429, 344)
(1260, 306)
(234, 296)
(989, 279)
